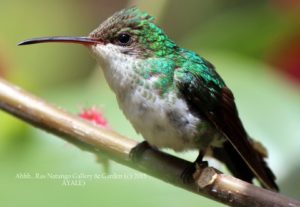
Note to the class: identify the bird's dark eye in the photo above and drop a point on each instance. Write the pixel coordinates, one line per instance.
(124, 39)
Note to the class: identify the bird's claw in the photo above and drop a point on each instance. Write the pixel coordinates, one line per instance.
(187, 174)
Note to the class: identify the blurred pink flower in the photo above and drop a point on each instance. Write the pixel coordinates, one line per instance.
(95, 116)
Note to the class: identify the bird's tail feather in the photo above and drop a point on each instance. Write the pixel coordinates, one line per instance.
(237, 166)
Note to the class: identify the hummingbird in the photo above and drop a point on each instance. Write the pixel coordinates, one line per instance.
(172, 96)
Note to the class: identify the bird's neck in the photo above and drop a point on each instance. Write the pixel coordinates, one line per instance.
(125, 73)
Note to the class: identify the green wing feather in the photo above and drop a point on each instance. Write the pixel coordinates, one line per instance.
(206, 92)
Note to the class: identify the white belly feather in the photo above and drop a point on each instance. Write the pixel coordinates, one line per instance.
(164, 122)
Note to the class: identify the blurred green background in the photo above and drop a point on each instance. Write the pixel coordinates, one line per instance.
(255, 46)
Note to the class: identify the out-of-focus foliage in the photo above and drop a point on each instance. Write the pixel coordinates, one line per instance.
(254, 45)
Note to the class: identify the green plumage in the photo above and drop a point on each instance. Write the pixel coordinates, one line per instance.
(163, 58)
(171, 95)
(183, 72)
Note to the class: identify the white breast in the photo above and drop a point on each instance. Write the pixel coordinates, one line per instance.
(163, 122)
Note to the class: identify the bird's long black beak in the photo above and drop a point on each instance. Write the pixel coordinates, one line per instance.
(78, 40)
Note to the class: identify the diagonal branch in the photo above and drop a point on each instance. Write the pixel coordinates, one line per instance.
(209, 182)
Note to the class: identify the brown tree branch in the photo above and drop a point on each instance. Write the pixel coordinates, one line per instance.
(209, 182)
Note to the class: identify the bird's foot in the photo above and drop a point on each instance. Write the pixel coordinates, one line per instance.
(187, 174)
(138, 150)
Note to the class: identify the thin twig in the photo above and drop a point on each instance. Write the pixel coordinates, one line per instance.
(209, 182)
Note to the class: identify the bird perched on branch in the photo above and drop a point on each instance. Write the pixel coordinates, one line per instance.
(172, 96)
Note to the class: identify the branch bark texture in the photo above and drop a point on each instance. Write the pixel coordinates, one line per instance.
(208, 181)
